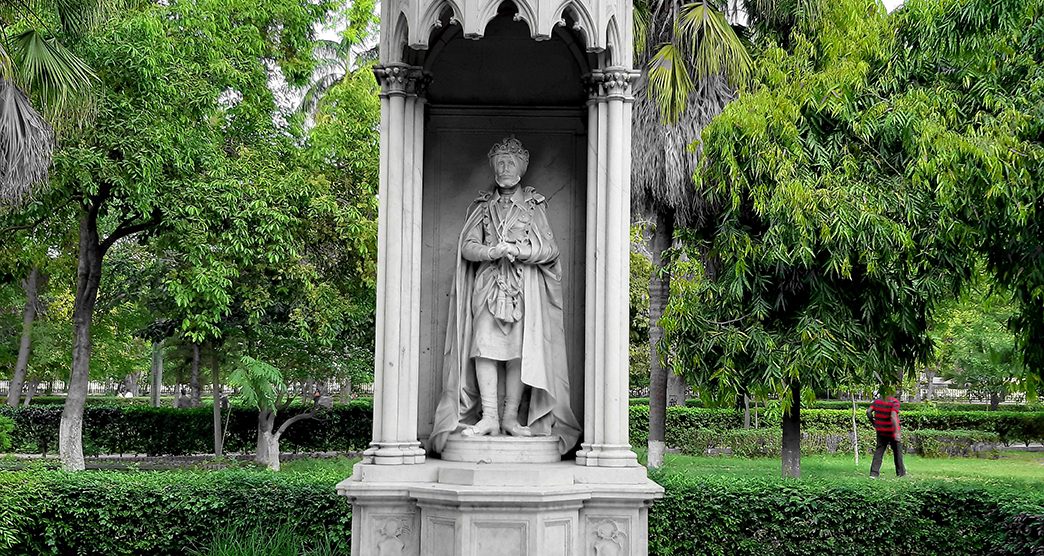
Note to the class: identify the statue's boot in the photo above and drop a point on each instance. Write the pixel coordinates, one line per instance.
(489, 424)
(512, 400)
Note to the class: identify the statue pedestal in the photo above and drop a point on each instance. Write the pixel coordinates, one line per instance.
(501, 449)
(442, 508)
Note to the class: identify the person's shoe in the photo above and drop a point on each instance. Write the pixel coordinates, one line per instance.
(873, 476)
(487, 426)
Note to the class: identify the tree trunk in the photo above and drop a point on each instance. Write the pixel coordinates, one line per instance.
(931, 385)
(196, 392)
(677, 389)
(659, 292)
(30, 391)
(267, 441)
(88, 278)
(995, 400)
(215, 380)
(855, 431)
(130, 384)
(792, 434)
(746, 411)
(306, 391)
(156, 373)
(31, 288)
(346, 391)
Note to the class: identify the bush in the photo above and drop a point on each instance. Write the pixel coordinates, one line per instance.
(111, 513)
(156, 431)
(955, 443)
(6, 426)
(1010, 426)
(164, 513)
(741, 516)
(768, 442)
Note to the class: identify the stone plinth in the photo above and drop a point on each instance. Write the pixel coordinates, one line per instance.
(501, 449)
(442, 508)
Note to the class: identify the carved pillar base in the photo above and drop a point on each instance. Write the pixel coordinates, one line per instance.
(461, 509)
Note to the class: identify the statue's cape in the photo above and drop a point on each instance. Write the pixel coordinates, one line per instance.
(544, 367)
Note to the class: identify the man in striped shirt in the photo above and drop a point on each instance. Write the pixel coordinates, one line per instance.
(885, 414)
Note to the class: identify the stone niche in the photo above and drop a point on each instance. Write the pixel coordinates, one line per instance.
(458, 76)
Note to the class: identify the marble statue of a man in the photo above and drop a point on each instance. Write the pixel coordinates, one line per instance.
(505, 329)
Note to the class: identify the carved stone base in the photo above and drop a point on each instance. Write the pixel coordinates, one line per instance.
(501, 449)
(442, 508)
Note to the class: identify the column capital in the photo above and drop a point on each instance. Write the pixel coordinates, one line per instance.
(611, 82)
(401, 79)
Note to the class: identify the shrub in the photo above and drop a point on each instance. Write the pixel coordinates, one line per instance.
(6, 426)
(768, 442)
(955, 443)
(164, 513)
(158, 431)
(742, 516)
(1010, 426)
(111, 513)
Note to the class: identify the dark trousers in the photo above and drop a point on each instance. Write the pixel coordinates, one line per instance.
(883, 442)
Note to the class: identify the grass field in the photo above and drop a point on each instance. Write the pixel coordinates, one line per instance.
(1018, 469)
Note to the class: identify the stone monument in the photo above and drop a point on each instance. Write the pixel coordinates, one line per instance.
(501, 395)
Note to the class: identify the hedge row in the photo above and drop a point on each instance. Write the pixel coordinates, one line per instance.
(124, 429)
(907, 406)
(165, 513)
(6, 426)
(111, 513)
(740, 516)
(130, 429)
(1008, 426)
(769, 442)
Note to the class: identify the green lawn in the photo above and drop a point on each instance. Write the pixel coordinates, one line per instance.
(1020, 469)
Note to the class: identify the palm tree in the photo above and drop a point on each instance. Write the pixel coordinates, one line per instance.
(35, 65)
(694, 62)
(341, 58)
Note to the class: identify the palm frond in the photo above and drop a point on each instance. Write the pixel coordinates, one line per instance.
(670, 81)
(714, 47)
(56, 76)
(26, 145)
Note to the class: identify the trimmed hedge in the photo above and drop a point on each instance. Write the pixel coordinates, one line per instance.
(111, 513)
(158, 431)
(740, 516)
(769, 442)
(165, 513)
(1008, 426)
(132, 429)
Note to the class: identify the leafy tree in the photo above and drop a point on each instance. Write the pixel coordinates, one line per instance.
(975, 348)
(969, 74)
(827, 250)
(262, 386)
(183, 90)
(338, 60)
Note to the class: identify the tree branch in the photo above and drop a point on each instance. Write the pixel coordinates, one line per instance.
(125, 229)
(44, 218)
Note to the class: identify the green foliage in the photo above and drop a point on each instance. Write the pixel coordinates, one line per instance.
(641, 269)
(264, 540)
(975, 348)
(259, 384)
(824, 261)
(122, 429)
(6, 427)
(741, 516)
(164, 513)
(1008, 426)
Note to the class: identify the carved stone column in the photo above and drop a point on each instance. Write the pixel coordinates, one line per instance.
(608, 246)
(398, 268)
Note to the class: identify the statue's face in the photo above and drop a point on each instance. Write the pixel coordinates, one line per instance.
(507, 169)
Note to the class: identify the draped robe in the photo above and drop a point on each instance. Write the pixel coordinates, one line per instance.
(538, 310)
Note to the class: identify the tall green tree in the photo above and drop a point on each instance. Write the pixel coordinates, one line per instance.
(184, 89)
(692, 61)
(828, 249)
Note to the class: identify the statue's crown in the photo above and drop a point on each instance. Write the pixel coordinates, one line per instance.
(511, 146)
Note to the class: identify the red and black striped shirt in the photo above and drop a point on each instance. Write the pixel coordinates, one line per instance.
(883, 416)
